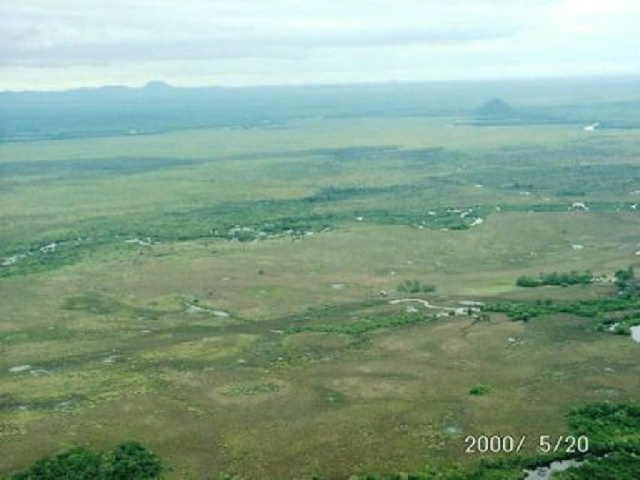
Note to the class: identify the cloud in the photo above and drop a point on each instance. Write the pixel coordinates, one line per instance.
(68, 34)
(289, 41)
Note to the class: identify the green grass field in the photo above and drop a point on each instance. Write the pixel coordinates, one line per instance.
(152, 286)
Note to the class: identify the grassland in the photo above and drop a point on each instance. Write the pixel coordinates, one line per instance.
(222, 295)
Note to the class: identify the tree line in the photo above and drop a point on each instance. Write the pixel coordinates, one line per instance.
(558, 279)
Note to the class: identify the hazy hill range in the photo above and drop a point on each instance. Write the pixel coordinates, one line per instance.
(158, 107)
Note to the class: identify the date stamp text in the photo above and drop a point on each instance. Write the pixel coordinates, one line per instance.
(514, 444)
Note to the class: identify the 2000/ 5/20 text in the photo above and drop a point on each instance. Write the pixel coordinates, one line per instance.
(511, 444)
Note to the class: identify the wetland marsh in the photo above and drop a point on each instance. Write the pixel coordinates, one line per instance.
(237, 297)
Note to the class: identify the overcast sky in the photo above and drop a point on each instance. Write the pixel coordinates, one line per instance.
(55, 44)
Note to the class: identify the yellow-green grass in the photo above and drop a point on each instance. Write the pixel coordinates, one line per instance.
(115, 354)
(383, 407)
(265, 173)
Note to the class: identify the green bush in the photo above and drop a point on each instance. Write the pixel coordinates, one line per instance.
(365, 325)
(133, 461)
(127, 461)
(571, 278)
(607, 425)
(528, 282)
(415, 286)
(479, 390)
(627, 283)
(77, 464)
(582, 308)
(618, 466)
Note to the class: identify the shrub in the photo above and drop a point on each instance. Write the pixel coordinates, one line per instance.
(618, 466)
(479, 390)
(78, 464)
(528, 282)
(130, 461)
(415, 286)
(571, 278)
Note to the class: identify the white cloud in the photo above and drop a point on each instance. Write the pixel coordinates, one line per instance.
(287, 41)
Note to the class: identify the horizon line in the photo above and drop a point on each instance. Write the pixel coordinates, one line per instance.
(167, 85)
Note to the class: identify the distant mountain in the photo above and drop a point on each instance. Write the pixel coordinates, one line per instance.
(157, 86)
(497, 108)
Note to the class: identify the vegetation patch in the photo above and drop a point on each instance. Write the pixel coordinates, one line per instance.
(614, 451)
(129, 460)
(619, 324)
(358, 327)
(93, 303)
(625, 304)
(558, 279)
(250, 388)
(479, 390)
(37, 335)
(627, 283)
(524, 311)
(607, 425)
(616, 465)
(209, 348)
(415, 286)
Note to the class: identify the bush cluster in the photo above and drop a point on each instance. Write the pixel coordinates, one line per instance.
(130, 461)
(415, 286)
(559, 279)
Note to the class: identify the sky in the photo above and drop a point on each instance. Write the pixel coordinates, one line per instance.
(61, 44)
